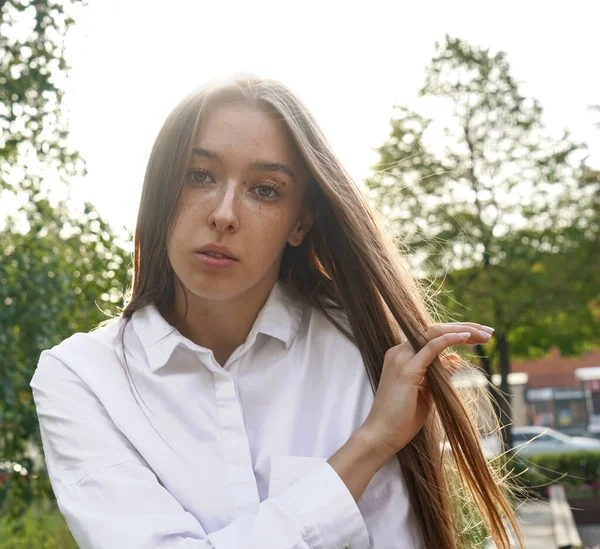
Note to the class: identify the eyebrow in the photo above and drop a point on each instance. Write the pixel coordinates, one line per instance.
(261, 166)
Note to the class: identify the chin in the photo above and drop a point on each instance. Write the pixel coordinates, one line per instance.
(215, 289)
(228, 287)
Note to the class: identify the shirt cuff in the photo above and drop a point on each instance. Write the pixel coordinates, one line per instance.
(324, 509)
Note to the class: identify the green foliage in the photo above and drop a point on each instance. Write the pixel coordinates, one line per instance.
(61, 271)
(41, 527)
(493, 209)
(57, 278)
(579, 472)
(573, 468)
(32, 67)
(497, 211)
(498, 201)
(473, 532)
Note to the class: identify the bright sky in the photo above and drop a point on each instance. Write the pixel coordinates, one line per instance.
(133, 60)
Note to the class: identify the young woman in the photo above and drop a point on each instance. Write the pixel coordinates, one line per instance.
(275, 380)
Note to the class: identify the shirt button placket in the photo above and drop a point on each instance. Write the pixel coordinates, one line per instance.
(236, 448)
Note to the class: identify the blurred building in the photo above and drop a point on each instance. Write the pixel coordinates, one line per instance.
(590, 379)
(552, 391)
(563, 392)
(473, 385)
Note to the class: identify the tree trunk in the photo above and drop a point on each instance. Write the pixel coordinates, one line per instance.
(484, 361)
(486, 365)
(504, 398)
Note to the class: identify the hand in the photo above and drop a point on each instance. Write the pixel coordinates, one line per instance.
(402, 402)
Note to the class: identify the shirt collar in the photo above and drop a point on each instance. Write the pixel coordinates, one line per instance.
(280, 318)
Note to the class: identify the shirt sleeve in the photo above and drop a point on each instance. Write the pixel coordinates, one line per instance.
(111, 498)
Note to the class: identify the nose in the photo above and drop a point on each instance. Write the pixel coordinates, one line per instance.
(224, 217)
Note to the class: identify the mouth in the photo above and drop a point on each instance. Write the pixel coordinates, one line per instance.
(216, 257)
(217, 251)
(216, 254)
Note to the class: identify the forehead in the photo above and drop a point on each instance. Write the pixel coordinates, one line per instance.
(243, 129)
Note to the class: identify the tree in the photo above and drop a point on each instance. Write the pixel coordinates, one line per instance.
(33, 130)
(61, 271)
(491, 208)
(63, 275)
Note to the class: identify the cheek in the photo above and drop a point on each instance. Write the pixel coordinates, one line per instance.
(188, 221)
(186, 225)
(174, 252)
(176, 238)
(270, 227)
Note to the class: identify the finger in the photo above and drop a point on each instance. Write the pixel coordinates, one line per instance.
(407, 351)
(483, 327)
(477, 336)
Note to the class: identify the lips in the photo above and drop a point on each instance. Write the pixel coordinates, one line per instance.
(217, 251)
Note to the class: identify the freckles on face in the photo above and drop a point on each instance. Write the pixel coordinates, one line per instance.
(244, 193)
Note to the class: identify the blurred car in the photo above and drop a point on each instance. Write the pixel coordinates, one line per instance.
(528, 440)
(490, 446)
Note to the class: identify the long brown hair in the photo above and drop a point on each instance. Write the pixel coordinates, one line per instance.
(347, 264)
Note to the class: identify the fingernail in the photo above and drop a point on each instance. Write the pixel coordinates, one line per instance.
(465, 334)
(485, 334)
(488, 327)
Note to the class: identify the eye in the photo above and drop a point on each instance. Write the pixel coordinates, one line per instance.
(198, 176)
(267, 191)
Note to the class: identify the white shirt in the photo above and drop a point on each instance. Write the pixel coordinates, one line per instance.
(234, 457)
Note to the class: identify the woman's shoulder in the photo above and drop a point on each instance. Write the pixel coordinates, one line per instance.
(101, 336)
(330, 326)
(82, 351)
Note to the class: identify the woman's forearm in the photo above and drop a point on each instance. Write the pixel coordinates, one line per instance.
(358, 460)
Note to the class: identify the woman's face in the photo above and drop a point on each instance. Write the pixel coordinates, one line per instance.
(243, 198)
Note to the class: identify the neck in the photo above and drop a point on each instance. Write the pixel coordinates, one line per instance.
(221, 325)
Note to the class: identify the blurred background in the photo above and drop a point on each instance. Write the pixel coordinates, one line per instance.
(473, 127)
